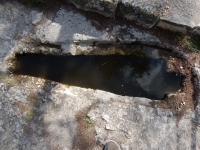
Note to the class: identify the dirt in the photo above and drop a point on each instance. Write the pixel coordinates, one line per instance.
(184, 99)
(85, 130)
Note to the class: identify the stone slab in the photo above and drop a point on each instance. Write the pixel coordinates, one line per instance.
(175, 15)
(143, 12)
(183, 13)
(104, 7)
(140, 127)
(132, 119)
(131, 122)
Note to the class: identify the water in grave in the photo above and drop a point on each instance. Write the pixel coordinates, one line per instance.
(120, 74)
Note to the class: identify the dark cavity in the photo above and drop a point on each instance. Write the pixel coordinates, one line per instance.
(128, 75)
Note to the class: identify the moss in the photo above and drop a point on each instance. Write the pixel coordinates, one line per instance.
(29, 114)
(89, 123)
(9, 81)
(26, 120)
(194, 42)
(186, 41)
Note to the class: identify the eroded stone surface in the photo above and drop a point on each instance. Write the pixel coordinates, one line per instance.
(10, 121)
(183, 13)
(105, 7)
(132, 122)
(36, 17)
(141, 127)
(65, 28)
(144, 12)
(169, 14)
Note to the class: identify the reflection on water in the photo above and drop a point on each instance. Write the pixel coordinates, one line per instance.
(124, 75)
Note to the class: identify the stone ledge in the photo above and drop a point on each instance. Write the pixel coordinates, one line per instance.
(181, 16)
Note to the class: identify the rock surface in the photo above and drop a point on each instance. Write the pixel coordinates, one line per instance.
(131, 122)
(182, 14)
(140, 127)
(39, 114)
(143, 12)
(66, 29)
(10, 121)
(174, 15)
(105, 7)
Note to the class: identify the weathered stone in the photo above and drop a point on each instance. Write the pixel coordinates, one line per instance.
(178, 16)
(181, 14)
(36, 17)
(18, 94)
(66, 30)
(139, 126)
(131, 121)
(11, 121)
(142, 12)
(196, 31)
(1, 124)
(104, 7)
(196, 72)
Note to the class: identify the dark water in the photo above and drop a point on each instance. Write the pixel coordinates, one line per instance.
(124, 75)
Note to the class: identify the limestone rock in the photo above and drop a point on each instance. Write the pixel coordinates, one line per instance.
(140, 127)
(18, 94)
(142, 12)
(70, 27)
(36, 17)
(104, 7)
(183, 14)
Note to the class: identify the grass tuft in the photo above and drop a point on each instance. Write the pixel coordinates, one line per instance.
(29, 113)
(9, 81)
(188, 42)
(26, 120)
(89, 123)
